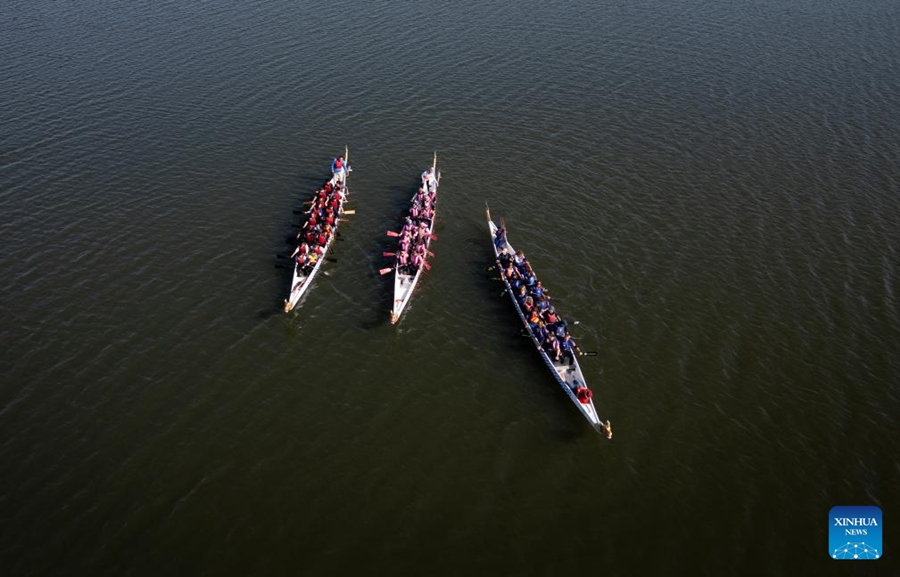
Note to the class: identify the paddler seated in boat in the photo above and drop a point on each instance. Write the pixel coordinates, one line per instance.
(420, 249)
(420, 197)
(551, 347)
(521, 295)
(414, 211)
(405, 242)
(540, 331)
(417, 261)
(312, 258)
(568, 348)
(542, 305)
(504, 259)
(321, 238)
(403, 262)
(537, 290)
(519, 259)
(533, 319)
(550, 316)
(301, 249)
(527, 305)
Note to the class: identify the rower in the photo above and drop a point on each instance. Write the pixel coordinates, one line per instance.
(550, 316)
(551, 347)
(537, 290)
(504, 259)
(522, 295)
(510, 271)
(533, 320)
(540, 331)
(301, 249)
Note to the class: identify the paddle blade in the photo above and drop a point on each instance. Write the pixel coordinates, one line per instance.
(393, 234)
(388, 254)
(349, 212)
(431, 254)
(433, 237)
(384, 271)
(426, 265)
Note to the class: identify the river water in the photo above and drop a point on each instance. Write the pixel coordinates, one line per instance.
(710, 188)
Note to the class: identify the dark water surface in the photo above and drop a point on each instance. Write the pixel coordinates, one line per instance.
(712, 188)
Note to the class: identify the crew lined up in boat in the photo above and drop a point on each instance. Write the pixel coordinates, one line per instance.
(548, 328)
(318, 229)
(416, 234)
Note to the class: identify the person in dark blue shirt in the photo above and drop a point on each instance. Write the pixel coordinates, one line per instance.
(568, 348)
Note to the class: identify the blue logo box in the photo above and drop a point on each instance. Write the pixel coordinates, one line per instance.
(854, 533)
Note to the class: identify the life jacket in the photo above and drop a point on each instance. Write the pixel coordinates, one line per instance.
(338, 164)
(322, 239)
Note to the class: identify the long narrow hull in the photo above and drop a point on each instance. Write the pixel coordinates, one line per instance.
(301, 282)
(404, 282)
(568, 377)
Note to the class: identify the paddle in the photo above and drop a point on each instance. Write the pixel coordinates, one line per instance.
(588, 354)
(393, 234)
(384, 271)
(388, 254)
(426, 265)
(349, 212)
